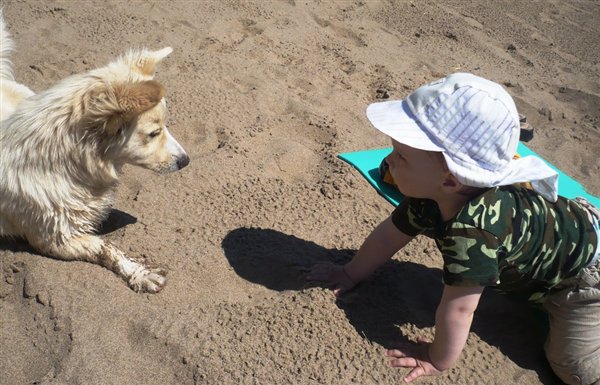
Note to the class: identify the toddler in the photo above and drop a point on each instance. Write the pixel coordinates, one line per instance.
(453, 146)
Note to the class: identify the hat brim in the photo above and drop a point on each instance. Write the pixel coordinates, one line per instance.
(395, 119)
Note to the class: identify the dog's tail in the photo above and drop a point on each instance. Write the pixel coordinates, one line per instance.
(6, 46)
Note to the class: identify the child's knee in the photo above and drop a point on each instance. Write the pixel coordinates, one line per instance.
(577, 372)
(573, 344)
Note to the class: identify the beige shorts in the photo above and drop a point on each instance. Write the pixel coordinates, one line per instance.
(573, 344)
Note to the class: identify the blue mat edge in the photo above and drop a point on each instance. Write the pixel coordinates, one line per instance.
(367, 163)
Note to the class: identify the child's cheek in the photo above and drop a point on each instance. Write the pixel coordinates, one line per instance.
(396, 175)
(395, 161)
(390, 160)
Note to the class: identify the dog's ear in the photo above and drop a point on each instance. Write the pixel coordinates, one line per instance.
(135, 98)
(110, 106)
(144, 61)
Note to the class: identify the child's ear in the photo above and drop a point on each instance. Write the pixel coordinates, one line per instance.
(450, 183)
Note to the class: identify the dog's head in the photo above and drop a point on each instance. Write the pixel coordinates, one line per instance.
(125, 112)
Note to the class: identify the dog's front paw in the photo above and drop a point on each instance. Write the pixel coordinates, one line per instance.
(148, 280)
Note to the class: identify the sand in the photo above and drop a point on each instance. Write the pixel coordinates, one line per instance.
(264, 95)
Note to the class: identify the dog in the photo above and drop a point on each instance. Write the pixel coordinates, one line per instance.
(62, 150)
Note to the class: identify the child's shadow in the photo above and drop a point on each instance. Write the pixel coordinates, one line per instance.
(399, 294)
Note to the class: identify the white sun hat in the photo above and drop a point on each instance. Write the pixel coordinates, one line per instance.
(474, 123)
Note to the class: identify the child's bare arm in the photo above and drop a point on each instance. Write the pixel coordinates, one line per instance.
(379, 247)
(452, 323)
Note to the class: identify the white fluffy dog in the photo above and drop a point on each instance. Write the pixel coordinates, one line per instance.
(62, 151)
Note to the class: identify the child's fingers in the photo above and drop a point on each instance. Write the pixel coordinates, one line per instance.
(404, 357)
(404, 362)
(321, 272)
(395, 353)
(317, 275)
(339, 290)
(417, 372)
(420, 366)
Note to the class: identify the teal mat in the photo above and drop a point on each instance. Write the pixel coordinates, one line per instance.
(367, 163)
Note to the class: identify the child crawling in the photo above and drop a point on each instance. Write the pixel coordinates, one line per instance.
(453, 145)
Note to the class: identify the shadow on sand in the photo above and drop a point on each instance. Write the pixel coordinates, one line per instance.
(398, 293)
(116, 219)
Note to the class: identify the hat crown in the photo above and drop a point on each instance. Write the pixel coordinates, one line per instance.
(473, 119)
(474, 123)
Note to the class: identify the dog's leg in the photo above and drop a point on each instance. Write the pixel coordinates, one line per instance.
(6, 229)
(91, 248)
(140, 276)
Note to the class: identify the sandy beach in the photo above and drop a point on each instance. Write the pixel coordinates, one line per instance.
(264, 95)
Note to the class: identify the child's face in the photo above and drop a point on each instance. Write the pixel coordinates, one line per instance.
(417, 173)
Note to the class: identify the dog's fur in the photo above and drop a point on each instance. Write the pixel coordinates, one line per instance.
(61, 152)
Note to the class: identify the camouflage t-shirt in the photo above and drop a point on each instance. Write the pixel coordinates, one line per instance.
(508, 237)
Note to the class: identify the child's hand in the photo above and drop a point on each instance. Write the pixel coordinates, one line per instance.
(416, 358)
(332, 275)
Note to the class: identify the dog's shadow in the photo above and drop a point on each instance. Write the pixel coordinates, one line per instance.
(398, 294)
(116, 219)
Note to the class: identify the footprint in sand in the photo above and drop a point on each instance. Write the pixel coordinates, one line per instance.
(166, 361)
(38, 338)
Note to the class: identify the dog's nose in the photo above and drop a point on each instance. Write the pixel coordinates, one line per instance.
(183, 161)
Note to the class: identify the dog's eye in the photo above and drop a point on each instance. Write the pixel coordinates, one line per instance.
(155, 133)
